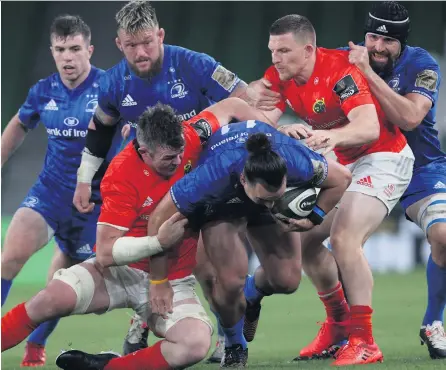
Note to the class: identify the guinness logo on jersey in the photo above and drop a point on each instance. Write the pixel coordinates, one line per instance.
(319, 106)
(178, 91)
(188, 167)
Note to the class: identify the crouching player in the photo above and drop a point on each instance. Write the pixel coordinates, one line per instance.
(119, 277)
(244, 170)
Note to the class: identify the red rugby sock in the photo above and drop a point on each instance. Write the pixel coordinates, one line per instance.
(145, 359)
(16, 326)
(361, 323)
(335, 304)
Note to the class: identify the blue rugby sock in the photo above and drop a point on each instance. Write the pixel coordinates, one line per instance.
(252, 293)
(43, 331)
(436, 292)
(235, 335)
(6, 286)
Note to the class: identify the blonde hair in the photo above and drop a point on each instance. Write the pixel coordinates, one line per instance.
(136, 16)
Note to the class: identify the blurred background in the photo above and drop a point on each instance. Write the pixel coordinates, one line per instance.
(236, 34)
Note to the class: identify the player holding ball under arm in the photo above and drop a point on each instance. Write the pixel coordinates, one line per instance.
(246, 167)
(118, 277)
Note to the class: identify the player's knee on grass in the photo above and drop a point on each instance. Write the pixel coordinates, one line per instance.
(186, 305)
(437, 239)
(192, 339)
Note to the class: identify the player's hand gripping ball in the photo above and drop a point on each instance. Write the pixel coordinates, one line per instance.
(296, 203)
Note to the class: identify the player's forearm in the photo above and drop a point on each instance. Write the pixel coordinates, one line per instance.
(240, 91)
(159, 267)
(101, 130)
(365, 131)
(239, 110)
(12, 138)
(126, 249)
(399, 110)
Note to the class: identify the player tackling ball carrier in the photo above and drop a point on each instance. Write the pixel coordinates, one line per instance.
(150, 72)
(119, 277)
(244, 170)
(334, 98)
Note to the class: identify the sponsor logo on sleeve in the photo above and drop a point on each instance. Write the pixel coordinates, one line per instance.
(427, 79)
(224, 78)
(345, 88)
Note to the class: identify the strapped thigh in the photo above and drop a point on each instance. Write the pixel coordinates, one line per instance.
(432, 211)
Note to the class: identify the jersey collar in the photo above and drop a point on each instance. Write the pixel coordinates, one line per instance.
(84, 85)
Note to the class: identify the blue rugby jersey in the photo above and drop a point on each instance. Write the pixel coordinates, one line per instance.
(189, 82)
(65, 114)
(216, 179)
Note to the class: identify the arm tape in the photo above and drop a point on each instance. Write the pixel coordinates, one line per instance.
(88, 168)
(100, 140)
(317, 215)
(128, 249)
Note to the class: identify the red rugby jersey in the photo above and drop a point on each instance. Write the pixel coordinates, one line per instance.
(131, 189)
(333, 90)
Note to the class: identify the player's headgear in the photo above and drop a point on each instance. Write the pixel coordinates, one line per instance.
(263, 163)
(391, 19)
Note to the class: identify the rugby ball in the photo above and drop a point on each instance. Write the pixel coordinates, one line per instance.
(295, 203)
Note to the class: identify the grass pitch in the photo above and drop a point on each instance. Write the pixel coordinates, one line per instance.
(287, 324)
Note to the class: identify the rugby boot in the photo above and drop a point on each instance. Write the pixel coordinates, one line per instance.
(78, 360)
(34, 355)
(136, 337)
(219, 351)
(252, 315)
(358, 352)
(435, 339)
(235, 356)
(328, 340)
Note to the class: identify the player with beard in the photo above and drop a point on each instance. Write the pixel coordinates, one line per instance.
(333, 97)
(64, 103)
(150, 72)
(120, 275)
(406, 81)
